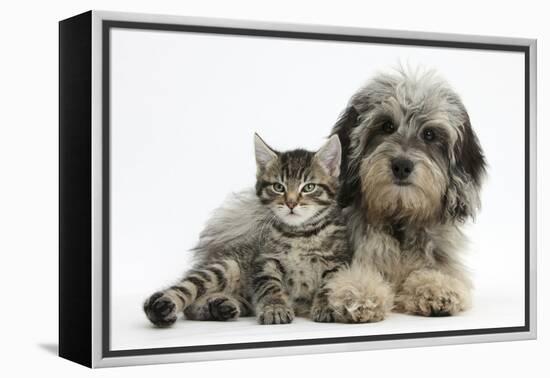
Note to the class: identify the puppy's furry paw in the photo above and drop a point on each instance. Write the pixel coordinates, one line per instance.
(357, 308)
(160, 309)
(359, 296)
(275, 314)
(432, 293)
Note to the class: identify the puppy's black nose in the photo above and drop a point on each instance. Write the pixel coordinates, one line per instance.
(402, 168)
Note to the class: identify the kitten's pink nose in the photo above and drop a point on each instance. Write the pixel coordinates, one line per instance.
(291, 204)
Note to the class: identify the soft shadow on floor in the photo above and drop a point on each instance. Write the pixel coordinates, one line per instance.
(50, 347)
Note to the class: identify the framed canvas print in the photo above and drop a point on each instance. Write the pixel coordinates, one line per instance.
(233, 189)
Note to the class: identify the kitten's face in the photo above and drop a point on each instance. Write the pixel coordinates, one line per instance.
(297, 185)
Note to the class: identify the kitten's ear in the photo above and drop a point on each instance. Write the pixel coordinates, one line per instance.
(264, 154)
(330, 156)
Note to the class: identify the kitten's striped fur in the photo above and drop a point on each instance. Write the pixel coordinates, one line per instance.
(216, 288)
(275, 259)
(307, 242)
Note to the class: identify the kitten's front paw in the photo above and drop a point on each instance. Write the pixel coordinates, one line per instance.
(160, 309)
(323, 314)
(223, 308)
(275, 314)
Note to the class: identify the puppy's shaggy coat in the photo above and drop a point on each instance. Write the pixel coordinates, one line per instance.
(412, 172)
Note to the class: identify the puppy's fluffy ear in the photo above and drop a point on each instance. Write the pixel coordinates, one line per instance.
(264, 154)
(349, 179)
(469, 154)
(330, 156)
(466, 174)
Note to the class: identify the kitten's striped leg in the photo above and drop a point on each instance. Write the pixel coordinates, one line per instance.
(321, 310)
(219, 306)
(163, 307)
(215, 306)
(271, 300)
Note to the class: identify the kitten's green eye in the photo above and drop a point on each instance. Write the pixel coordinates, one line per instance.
(308, 188)
(279, 188)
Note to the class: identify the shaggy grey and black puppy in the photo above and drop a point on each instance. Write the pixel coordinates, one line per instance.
(412, 171)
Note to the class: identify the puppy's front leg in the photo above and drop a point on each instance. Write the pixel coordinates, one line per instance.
(359, 295)
(430, 292)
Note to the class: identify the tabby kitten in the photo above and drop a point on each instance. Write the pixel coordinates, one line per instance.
(276, 256)
(306, 242)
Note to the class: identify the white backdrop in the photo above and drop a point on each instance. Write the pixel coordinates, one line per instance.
(184, 109)
(28, 198)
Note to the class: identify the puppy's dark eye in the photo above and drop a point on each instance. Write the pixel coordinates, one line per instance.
(388, 127)
(428, 135)
(279, 188)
